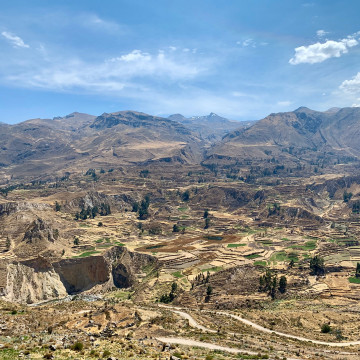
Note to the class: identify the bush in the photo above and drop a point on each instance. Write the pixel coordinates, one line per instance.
(106, 353)
(78, 346)
(325, 328)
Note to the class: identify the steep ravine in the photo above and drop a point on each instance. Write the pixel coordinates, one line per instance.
(37, 279)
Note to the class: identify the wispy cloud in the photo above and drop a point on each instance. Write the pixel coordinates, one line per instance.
(321, 33)
(319, 52)
(251, 43)
(16, 41)
(130, 70)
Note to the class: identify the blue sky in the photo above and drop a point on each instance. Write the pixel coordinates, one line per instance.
(242, 59)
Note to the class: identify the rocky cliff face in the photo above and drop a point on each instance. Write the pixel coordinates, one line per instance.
(78, 275)
(37, 279)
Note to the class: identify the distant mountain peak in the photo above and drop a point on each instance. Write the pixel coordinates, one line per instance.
(303, 109)
(333, 110)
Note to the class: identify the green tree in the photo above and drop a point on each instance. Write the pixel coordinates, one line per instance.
(273, 287)
(206, 214)
(325, 328)
(186, 195)
(76, 241)
(282, 284)
(135, 207)
(176, 228)
(57, 206)
(317, 265)
(207, 223)
(347, 196)
(8, 244)
(357, 273)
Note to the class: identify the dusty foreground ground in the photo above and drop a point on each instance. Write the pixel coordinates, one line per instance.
(115, 327)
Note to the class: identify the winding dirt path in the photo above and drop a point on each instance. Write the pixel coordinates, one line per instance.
(189, 342)
(195, 324)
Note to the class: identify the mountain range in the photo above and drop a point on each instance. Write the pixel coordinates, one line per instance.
(79, 141)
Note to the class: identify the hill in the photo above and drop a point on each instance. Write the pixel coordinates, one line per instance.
(79, 141)
(295, 138)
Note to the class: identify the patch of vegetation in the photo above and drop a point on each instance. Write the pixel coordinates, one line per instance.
(9, 354)
(266, 242)
(260, 263)
(182, 209)
(308, 246)
(178, 274)
(122, 294)
(354, 280)
(213, 237)
(235, 245)
(253, 256)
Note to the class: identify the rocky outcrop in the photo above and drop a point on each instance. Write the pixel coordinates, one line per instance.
(126, 265)
(40, 231)
(38, 279)
(8, 208)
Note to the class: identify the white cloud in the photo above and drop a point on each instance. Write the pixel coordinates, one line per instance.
(135, 70)
(284, 103)
(351, 86)
(319, 52)
(249, 42)
(321, 33)
(16, 41)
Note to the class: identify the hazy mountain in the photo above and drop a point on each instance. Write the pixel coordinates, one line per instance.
(79, 141)
(46, 147)
(210, 127)
(303, 134)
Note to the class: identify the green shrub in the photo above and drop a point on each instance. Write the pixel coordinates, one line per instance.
(78, 346)
(106, 353)
(325, 328)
